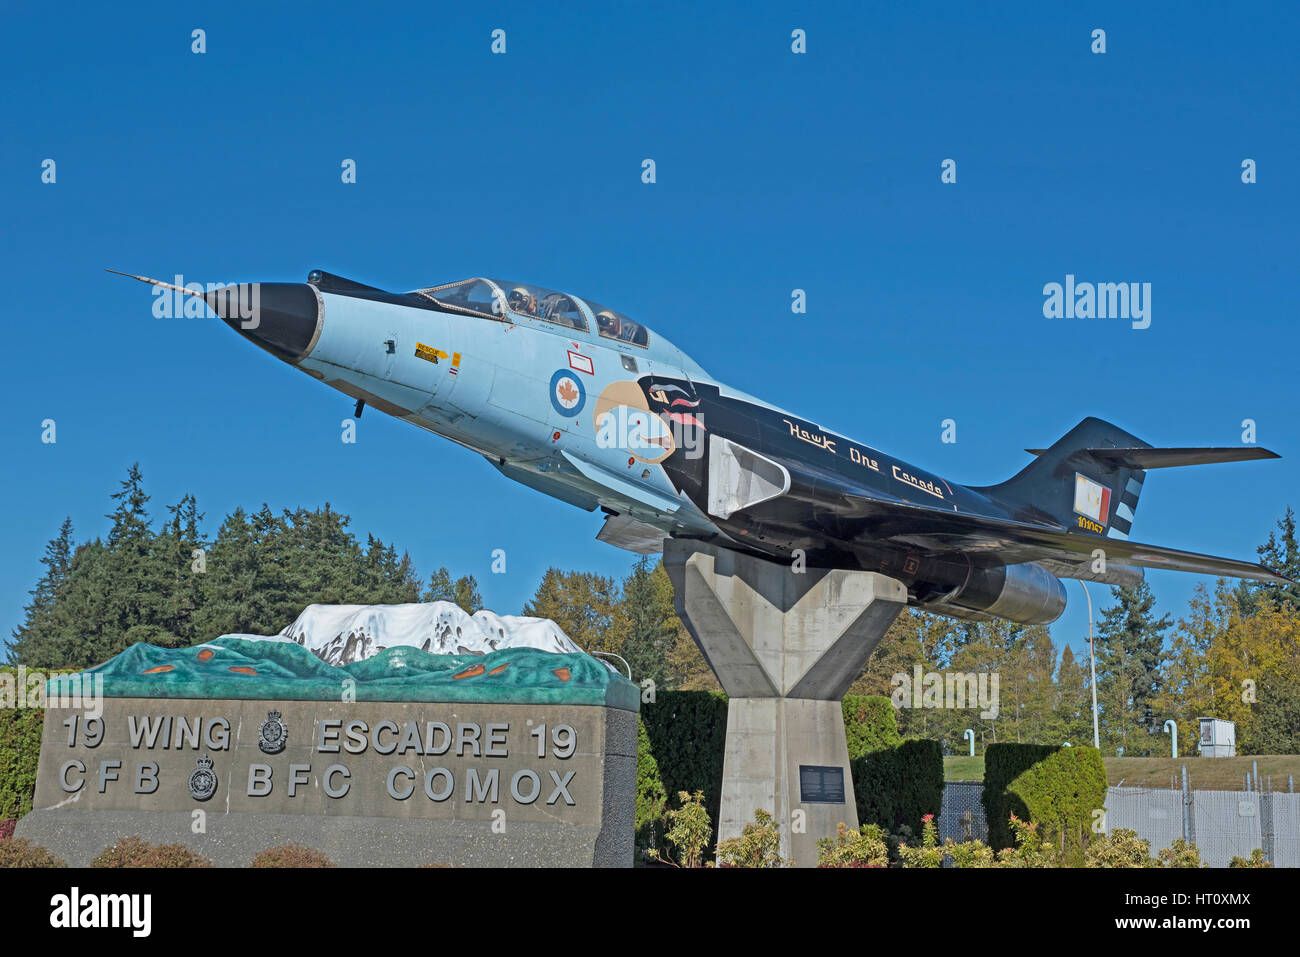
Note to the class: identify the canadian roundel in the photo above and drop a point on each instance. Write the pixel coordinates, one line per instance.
(568, 395)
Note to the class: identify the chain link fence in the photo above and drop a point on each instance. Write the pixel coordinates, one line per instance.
(1222, 824)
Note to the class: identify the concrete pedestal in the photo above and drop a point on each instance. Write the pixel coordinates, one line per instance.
(785, 646)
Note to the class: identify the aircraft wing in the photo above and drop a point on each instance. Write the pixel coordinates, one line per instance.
(936, 530)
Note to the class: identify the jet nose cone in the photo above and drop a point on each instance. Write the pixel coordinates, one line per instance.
(281, 317)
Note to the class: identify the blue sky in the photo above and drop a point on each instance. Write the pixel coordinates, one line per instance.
(775, 171)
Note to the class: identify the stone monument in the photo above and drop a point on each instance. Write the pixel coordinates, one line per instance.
(400, 735)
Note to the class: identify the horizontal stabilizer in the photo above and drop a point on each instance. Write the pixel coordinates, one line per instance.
(1144, 458)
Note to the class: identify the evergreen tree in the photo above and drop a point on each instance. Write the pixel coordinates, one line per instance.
(651, 623)
(462, 591)
(181, 545)
(1130, 650)
(39, 614)
(229, 584)
(131, 589)
(1072, 708)
(256, 577)
(1282, 554)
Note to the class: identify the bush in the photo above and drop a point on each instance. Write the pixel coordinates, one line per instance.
(759, 845)
(898, 786)
(686, 732)
(1061, 794)
(1003, 763)
(1180, 854)
(970, 854)
(20, 750)
(7, 829)
(651, 798)
(689, 832)
(1256, 859)
(291, 855)
(929, 854)
(18, 852)
(134, 852)
(1120, 848)
(870, 724)
(1029, 850)
(865, 847)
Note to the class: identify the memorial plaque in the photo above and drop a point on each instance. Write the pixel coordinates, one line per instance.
(819, 784)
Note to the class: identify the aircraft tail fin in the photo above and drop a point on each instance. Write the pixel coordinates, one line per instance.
(1091, 478)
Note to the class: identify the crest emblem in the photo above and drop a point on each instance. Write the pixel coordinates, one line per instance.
(203, 782)
(274, 733)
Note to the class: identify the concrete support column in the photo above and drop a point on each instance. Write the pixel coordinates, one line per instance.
(785, 647)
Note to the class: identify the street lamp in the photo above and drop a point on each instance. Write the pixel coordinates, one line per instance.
(1092, 661)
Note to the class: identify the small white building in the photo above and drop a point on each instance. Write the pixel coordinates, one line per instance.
(1218, 738)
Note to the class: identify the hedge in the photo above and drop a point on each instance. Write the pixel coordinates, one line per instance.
(1061, 793)
(20, 749)
(1003, 763)
(870, 723)
(20, 743)
(896, 787)
(896, 782)
(682, 742)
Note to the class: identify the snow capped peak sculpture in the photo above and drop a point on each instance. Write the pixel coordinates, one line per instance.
(344, 634)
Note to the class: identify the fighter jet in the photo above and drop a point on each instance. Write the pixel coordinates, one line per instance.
(577, 400)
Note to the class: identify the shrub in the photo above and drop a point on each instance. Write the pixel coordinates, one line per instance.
(870, 724)
(135, 852)
(898, 786)
(1029, 850)
(291, 855)
(20, 750)
(1256, 859)
(1120, 848)
(18, 852)
(686, 733)
(651, 798)
(1180, 854)
(1061, 793)
(970, 854)
(7, 829)
(1003, 763)
(758, 845)
(689, 832)
(929, 854)
(865, 847)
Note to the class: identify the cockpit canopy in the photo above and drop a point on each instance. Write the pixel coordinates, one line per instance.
(499, 299)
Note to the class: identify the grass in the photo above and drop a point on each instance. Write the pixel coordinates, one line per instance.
(963, 768)
(1211, 774)
(1204, 774)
